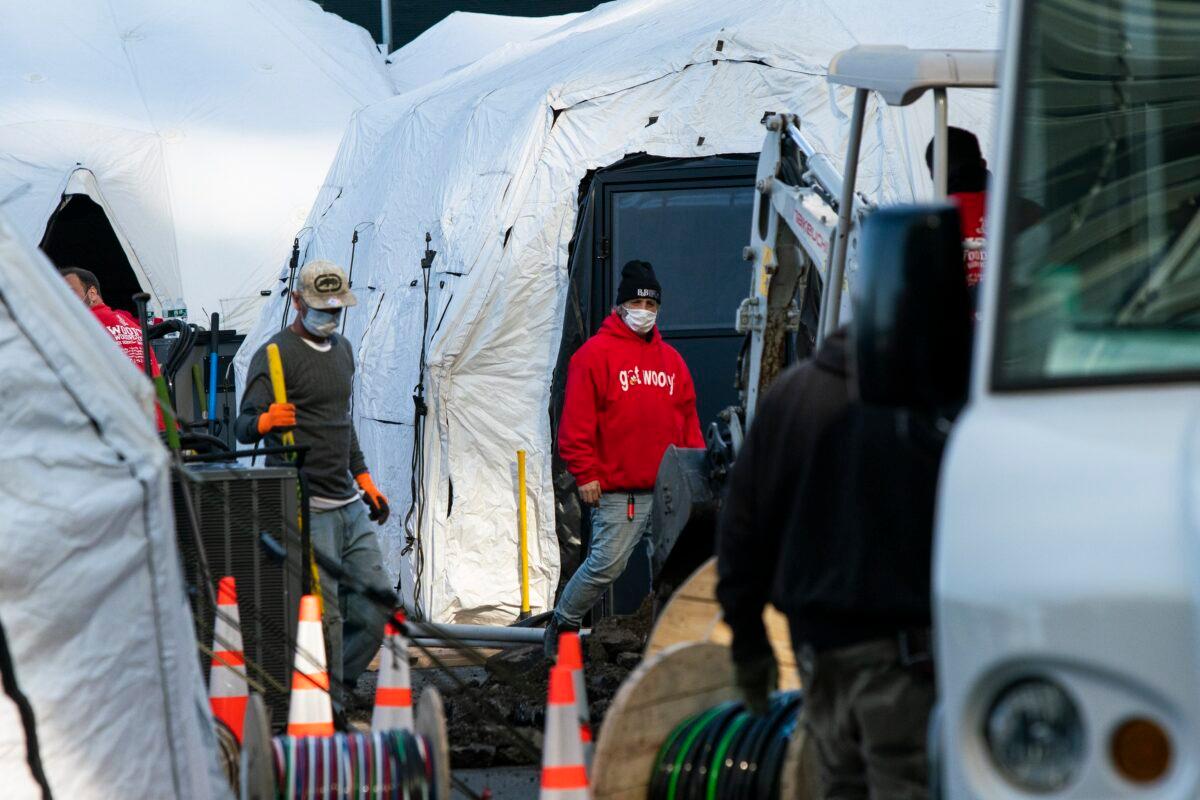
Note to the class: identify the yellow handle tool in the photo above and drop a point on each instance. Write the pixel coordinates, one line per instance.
(522, 536)
(279, 388)
(275, 364)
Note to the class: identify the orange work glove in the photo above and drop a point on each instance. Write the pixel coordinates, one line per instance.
(373, 498)
(279, 416)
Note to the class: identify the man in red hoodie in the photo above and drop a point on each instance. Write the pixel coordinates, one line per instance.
(120, 325)
(629, 396)
(966, 184)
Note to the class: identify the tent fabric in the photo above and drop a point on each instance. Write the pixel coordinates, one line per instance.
(91, 594)
(489, 161)
(202, 129)
(459, 39)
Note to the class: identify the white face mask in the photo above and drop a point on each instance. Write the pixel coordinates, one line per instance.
(639, 320)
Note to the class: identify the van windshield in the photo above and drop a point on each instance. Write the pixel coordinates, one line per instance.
(1102, 281)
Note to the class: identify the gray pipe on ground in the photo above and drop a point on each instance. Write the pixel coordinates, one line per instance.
(487, 633)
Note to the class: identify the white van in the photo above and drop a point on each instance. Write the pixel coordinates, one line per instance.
(1067, 567)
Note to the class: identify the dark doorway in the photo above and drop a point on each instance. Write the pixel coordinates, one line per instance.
(692, 232)
(690, 218)
(80, 235)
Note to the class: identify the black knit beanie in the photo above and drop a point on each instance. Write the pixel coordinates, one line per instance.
(968, 171)
(638, 281)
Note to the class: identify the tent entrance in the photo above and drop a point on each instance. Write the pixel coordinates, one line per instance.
(690, 218)
(79, 234)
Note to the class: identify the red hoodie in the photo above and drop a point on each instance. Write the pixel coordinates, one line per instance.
(627, 400)
(127, 333)
(971, 208)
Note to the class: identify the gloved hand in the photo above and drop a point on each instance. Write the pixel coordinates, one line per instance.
(278, 417)
(373, 498)
(757, 679)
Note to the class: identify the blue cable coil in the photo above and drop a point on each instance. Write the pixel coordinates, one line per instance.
(380, 765)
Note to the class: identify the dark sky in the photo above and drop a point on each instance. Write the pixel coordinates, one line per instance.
(411, 17)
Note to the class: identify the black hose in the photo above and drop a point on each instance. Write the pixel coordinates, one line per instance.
(179, 350)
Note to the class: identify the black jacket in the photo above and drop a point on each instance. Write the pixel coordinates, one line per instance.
(829, 514)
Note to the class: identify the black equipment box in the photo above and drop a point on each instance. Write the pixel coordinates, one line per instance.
(185, 396)
(233, 505)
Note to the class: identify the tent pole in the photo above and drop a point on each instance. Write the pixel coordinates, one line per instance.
(385, 23)
(941, 144)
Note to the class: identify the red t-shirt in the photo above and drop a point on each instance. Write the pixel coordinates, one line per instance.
(126, 332)
(627, 400)
(971, 209)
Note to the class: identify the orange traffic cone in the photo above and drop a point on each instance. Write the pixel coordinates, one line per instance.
(564, 776)
(310, 712)
(393, 693)
(227, 690)
(570, 656)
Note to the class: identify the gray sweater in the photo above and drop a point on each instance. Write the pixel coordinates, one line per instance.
(319, 385)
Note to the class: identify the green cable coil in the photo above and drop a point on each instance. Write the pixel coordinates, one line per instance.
(726, 753)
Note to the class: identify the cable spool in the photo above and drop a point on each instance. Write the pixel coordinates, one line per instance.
(386, 765)
(725, 752)
(379, 764)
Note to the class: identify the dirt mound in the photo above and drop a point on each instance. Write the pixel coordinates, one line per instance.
(486, 717)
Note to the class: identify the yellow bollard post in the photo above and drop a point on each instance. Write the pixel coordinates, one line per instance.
(522, 535)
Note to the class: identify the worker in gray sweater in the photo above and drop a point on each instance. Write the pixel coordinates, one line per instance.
(318, 367)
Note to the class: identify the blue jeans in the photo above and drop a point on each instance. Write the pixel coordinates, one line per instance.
(354, 623)
(614, 536)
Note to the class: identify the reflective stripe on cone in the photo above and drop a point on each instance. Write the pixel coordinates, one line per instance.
(570, 656)
(564, 776)
(227, 689)
(393, 692)
(310, 712)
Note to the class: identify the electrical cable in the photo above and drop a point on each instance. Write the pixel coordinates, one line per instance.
(293, 265)
(362, 226)
(726, 753)
(387, 600)
(417, 463)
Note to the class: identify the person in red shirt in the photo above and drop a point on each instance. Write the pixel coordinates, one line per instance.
(119, 324)
(966, 184)
(629, 396)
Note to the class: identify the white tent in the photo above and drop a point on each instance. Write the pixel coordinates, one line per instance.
(459, 39)
(91, 595)
(202, 129)
(489, 160)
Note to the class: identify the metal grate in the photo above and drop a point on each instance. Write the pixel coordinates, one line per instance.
(234, 505)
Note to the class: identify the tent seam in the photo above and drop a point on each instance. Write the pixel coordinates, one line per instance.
(313, 44)
(153, 123)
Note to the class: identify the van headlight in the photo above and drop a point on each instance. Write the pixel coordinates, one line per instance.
(1035, 735)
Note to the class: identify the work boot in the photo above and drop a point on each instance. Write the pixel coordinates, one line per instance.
(553, 628)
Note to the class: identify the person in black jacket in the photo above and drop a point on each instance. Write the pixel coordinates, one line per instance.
(829, 516)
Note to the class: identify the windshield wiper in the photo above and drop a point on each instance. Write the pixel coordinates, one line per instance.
(1148, 299)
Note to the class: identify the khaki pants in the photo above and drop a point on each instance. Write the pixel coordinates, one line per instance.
(866, 715)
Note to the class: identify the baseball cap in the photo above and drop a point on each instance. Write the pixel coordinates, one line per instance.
(323, 285)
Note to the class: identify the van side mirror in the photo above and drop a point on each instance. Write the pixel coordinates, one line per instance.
(913, 316)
